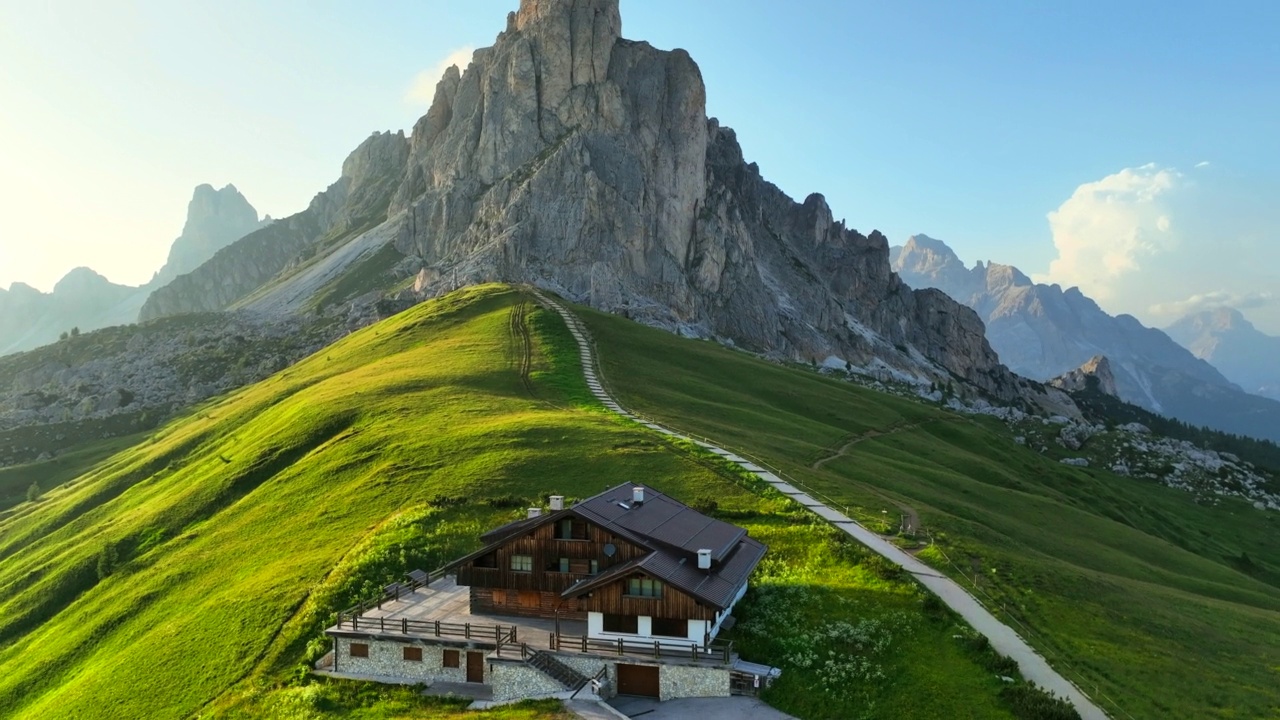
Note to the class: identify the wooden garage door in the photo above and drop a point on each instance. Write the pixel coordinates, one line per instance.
(638, 680)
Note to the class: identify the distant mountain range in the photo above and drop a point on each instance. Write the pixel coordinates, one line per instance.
(87, 301)
(1043, 331)
(1246, 355)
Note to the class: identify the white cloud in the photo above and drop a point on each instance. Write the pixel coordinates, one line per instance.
(1202, 163)
(1212, 301)
(1108, 227)
(423, 88)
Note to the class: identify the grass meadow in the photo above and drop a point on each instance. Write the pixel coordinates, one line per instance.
(1156, 603)
(192, 574)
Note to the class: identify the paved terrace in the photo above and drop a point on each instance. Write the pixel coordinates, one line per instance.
(442, 610)
(444, 607)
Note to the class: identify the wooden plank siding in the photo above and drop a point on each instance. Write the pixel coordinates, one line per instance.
(546, 551)
(673, 604)
(524, 603)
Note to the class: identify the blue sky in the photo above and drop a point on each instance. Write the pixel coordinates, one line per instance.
(971, 122)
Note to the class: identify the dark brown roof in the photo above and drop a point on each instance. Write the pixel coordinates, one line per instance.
(672, 531)
(661, 519)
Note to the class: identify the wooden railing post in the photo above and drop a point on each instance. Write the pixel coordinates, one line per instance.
(619, 646)
(437, 628)
(466, 629)
(657, 649)
(382, 624)
(584, 643)
(355, 622)
(404, 626)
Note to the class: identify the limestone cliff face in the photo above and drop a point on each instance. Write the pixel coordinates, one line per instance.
(215, 219)
(358, 200)
(569, 157)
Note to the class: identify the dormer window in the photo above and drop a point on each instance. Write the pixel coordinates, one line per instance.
(570, 529)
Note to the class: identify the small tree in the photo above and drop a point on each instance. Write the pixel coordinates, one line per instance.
(33, 492)
(107, 560)
(75, 332)
(64, 335)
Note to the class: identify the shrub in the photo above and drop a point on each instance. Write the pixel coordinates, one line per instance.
(705, 504)
(33, 492)
(108, 560)
(1028, 701)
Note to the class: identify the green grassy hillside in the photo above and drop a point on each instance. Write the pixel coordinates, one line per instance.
(192, 574)
(1157, 605)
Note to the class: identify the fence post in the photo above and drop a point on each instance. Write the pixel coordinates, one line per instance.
(404, 626)
(437, 628)
(467, 630)
(657, 649)
(355, 622)
(382, 624)
(619, 646)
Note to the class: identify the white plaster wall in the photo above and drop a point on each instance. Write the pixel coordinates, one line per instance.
(644, 626)
(698, 630)
(720, 616)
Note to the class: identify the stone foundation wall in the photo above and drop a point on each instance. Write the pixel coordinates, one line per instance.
(680, 681)
(513, 681)
(386, 659)
(588, 666)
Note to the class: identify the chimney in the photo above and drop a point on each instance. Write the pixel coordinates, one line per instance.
(557, 502)
(535, 512)
(704, 559)
(637, 495)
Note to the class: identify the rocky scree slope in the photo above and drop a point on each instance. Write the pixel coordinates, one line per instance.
(126, 379)
(568, 157)
(1223, 337)
(356, 202)
(1042, 331)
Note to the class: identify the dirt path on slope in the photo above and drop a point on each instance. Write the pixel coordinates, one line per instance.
(521, 343)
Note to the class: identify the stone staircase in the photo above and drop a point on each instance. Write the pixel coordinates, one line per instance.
(568, 677)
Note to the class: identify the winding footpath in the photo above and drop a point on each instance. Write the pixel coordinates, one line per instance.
(1002, 637)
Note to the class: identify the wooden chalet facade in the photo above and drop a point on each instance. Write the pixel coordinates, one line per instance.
(632, 562)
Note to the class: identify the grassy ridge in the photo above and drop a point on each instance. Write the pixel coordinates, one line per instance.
(1133, 590)
(193, 573)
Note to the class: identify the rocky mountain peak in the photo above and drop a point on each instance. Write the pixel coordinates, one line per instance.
(571, 158)
(215, 219)
(1094, 373)
(81, 281)
(1226, 338)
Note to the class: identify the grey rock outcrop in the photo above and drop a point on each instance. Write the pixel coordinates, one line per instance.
(357, 201)
(571, 158)
(215, 219)
(568, 157)
(1223, 337)
(1043, 331)
(1094, 374)
(86, 300)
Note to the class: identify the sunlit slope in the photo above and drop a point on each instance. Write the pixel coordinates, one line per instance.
(1168, 606)
(210, 535)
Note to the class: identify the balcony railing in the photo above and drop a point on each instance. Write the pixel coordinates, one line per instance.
(719, 651)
